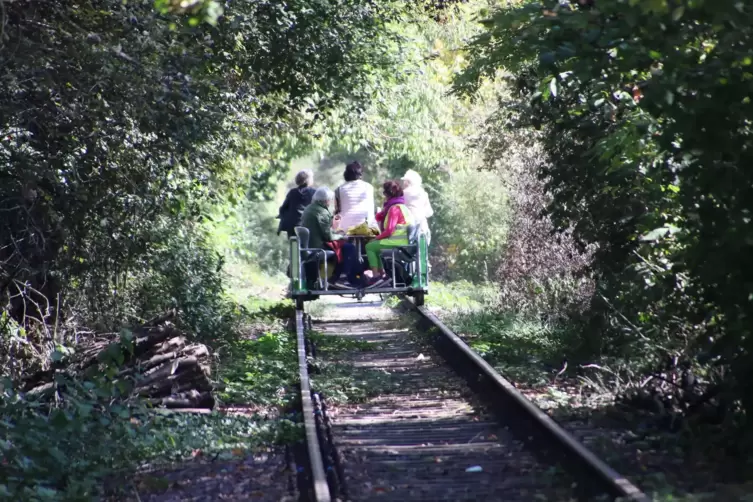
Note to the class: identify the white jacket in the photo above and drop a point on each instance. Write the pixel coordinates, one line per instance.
(417, 201)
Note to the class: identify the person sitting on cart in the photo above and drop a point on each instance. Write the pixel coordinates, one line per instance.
(317, 218)
(417, 201)
(393, 221)
(354, 199)
(296, 201)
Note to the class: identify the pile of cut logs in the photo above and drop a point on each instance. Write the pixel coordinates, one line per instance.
(159, 365)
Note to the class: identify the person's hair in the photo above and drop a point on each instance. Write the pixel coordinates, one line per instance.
(323, 194)
(392, 189)
(304, 178)
(353, 171)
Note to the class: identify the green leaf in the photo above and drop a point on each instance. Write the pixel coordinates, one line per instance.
(85, 409)
(213, 12)
(59, 418)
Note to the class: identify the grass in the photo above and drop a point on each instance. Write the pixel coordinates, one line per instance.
(530, 353)
(341, 382)
(334, 345)
(526, 351)
(259, 371)
(261, 368)
(259, 365)
(180, 436)
(251, 287)
(461, 296)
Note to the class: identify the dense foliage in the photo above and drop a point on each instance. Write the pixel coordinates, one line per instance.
(122, 129)
(119, 124)
(537, 274)
(645, 113)
(80, 448)
(145, 143)
(409, 121)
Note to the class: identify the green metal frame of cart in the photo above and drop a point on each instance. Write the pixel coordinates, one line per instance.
(417, 286)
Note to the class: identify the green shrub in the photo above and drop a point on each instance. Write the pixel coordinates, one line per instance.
(643, 109)
(69, 452)
(183, 271)
(470, 225)
(462, 295)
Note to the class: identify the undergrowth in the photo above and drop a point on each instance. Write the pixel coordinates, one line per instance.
(526, 351)
(523, 349)
(461, 296)
(550, 364)
(67, 452)
(259, 371)
(68, 449)
(260, 367)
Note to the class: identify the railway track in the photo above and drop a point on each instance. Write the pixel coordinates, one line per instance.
(451, 428)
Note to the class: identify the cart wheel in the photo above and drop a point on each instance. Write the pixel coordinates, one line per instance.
(299, 303)
(419, 298)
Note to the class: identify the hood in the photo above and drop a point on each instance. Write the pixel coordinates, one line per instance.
(413, 177)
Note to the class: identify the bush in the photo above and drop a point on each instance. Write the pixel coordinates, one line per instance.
(462, 296)
(63, 453)
(72, 447)
(72, 451)
(542, 272)
(643, 109)
(470, 225)
(183, 271)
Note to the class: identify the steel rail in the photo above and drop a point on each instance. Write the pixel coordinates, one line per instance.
(318, 476)
(608, 480)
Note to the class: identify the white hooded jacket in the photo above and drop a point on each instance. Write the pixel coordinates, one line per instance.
(417, 200)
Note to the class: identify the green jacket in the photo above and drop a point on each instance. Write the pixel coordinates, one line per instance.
(318, 219)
